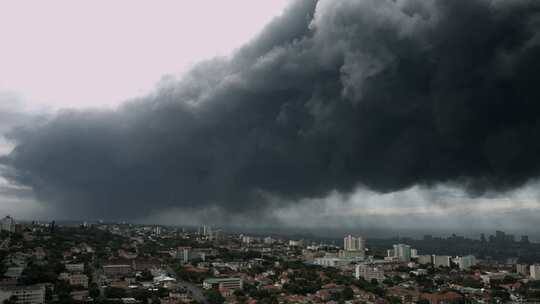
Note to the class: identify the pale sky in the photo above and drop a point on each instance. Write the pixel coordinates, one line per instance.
(65, 53)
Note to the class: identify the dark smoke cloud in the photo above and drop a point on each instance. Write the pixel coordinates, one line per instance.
(331, 95)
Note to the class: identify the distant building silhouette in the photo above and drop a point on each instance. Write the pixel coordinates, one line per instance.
(7, 224)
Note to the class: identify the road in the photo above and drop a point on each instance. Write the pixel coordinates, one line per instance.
(5, 243)
(196, 291)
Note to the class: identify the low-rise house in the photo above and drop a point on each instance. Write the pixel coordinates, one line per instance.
(79, 295)
(78, 280)
(117, 269)
(181, 295)
(119, 284)
(442, 298)
(405, 295)
(75, 267)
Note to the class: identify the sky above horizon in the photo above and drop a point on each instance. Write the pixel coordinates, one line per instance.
(98, 54)
(324, 115)
(65, 54)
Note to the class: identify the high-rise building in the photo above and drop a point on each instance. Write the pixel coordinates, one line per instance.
(7, 224)
(205, 230)
(500, 236)
(402, 252)
(351, 243)
(535, 272)
(441, 261)
(216, 235)
(247, 239)
(522, 269)
(183, 254)
(465, 262)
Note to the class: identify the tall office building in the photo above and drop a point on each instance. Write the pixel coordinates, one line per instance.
(351, 243)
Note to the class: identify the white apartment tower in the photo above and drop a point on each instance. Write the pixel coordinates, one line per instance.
(351, 243)
(535, 272)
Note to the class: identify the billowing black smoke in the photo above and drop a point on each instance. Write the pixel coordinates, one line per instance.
(331, 95)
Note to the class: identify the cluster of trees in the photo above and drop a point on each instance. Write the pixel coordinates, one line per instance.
(190, 276)
(230, 255)
(213, 296)
(303, 281)
(345, 295)
(370, 286)
(42, 273)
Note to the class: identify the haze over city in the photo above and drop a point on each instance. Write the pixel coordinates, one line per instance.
(393, 117)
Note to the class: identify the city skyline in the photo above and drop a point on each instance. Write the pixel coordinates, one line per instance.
(322, 116)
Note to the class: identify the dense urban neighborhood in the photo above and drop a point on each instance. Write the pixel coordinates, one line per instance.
(127, 263)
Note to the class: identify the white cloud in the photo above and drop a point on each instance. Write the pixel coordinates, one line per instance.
(438, 208)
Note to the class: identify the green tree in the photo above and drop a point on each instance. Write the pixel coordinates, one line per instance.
(509, 280)
(114, 292)
(93, 290)
(146, 275)
(214, 297)
(347, 294)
